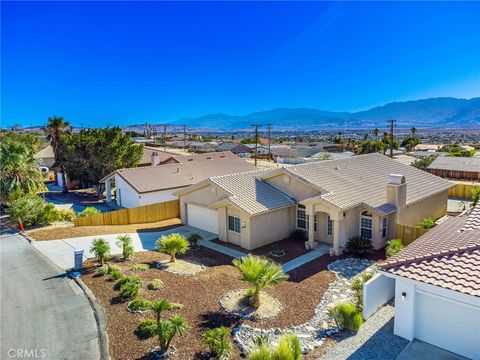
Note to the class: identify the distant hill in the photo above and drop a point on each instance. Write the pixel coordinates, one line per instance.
(426, 113)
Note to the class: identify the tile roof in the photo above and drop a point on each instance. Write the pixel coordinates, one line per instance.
(362, 180)
(191, 170)
(447, 256)
(46, 152)
(149, 150)
(452, 163)
(252, 194)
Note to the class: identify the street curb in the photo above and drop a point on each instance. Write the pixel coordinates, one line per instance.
(99, 318)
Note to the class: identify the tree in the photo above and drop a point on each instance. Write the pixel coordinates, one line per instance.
(19, 171)
(217, 340)
(126, 243)
(159, 306)
(425, 162)
(413, 130)
(57, 128)
(91, 154)
(410, 142)
(172, 245)
(288, 348)
(375, 133)
(259, 273)
(167, 329)
(101, 249)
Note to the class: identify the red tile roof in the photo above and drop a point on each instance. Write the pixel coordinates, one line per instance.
(447, 256)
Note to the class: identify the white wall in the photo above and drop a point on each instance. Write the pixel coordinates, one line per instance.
(377, 292)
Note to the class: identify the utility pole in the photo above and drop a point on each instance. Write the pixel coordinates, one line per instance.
(392, 124)
(256, 141)
(164, 137)
(269, 138)
(146, 130)
(184, 137)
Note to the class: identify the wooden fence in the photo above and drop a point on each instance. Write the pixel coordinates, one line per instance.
(408, 234)
(463, 191)
(141, 214)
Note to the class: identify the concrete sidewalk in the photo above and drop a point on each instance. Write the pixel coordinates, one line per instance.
(61, 251)
(320, 250)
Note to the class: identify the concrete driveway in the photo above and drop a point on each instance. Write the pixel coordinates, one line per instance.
(44, 314)
(61, 251)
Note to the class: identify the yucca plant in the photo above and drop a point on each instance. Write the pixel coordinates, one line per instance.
(172, 245)
(359, 246)
(259, 273)
(126, 243)
(218, 342)
(101, 249)
(288, 348)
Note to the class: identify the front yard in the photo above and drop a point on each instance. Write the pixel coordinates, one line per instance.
(200, 294)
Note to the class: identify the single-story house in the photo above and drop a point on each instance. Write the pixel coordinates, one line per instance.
(452, 167)
(261, 149)
(426, 147)
(437, 286)
(426, 153)
(157, 183)
(200, 147)
(156, 156)
(45, 157)
(236, 148)
(330, 200)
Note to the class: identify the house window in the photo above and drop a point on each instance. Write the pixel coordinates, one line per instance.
(234, 224)
(329, 226)
(384, 227)
(315, 223)
(366, 225)
(301, 217)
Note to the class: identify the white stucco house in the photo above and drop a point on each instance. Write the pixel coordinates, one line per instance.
(167, 174)
(436, 282)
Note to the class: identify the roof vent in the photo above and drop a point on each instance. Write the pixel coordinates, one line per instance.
(396, 179)
(209, 158)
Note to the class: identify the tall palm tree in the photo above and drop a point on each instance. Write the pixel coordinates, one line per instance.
(375, 133)
(56, 128)
(413, 130)
(386, 139)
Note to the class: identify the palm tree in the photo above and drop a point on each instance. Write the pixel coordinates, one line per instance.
(375, 133)
(386, 141)
(126, 243)
(167, 329)
(101, 249)
(413, 130)
(172, 244)
(159, 306)
(259, 273)
(56, 128)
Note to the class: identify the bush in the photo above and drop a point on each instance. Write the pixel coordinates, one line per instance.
(103, 270)
(129, 286)
(33, 211)
(393, 247)
(349, 316)
(193, 240)
(475, 195)
(139, 304)
(298, 234)
(172, 245)
(359, 246)
(427, 223)
(357, 287)
(88, 211)
(218, 342)
(115, 272)
(155, 284)
(66, 215)
(288, 348)
(146, 329)
(140, 267)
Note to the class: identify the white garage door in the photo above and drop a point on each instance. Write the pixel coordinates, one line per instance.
(450, 325)
(203, 218)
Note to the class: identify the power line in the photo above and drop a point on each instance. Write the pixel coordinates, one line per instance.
(256, 141)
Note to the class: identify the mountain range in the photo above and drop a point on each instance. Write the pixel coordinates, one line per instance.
(444, 112)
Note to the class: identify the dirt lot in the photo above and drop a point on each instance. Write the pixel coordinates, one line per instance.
(63, 231)
(200, 296)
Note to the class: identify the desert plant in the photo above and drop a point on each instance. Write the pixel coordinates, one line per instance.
(357, 287)
(33, 210)
(167, 329)
(155, 284)
(172, 245)
(259, 273)
(218, 342)
(288, 348)
(359, 246)
(146, 329)
(159, 306)
(101, 248)
(103, 270)
(475, 195)
(393, 247)
(298, 234)
(427, 223)
(346, 315)
(66, 215)
(126, 243)
(193, 240)
(260, 340)
(88, 211)
(129, 286)
(140, 267)
(115, 272)
(139, 304)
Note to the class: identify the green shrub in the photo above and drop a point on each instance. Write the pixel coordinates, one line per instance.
(475, 195)
(129, 286)
(101, 248)
(427, 223)
(359, 246)
(146, 329)
(393, 247)
(126, 243)
(347, 315)
(218, 342)
(66, 215)
(298, 234)
(155, 284)
(113, 268)
(103, 270)
(115, 272)
(357, 287)
(172, 245)
(288, 348)
(33, 211)
(139, 304)
(88, 211)
(193, 240)
(140, 267)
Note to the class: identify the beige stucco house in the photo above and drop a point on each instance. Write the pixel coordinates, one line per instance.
(331, 200)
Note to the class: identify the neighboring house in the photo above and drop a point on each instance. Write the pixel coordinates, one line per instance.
(236, 148)
(405, 159)
(45, 157)
(331, 200)
(202, 146)
(154, 184)
(425, 153)
(426, 147)
(451, 167)
(261, 149)
(437, 286)
(156, 156)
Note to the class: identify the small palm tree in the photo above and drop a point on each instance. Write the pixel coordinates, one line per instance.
(159, 306)
(172, 245)
(217, 339)
(126, 243)
(259, 273)
(167, 329)
(101, 249)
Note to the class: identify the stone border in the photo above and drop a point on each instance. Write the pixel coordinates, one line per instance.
(250, 317)
(138, 312)
(160, 266)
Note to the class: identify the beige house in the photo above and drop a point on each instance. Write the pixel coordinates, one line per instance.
(331, 200)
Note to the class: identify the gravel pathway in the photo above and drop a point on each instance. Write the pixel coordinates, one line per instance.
(374, 341)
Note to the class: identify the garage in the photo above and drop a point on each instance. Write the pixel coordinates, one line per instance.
(447, 323)
(202, 217)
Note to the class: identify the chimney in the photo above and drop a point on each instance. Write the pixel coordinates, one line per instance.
(397, 194)
(155, 159)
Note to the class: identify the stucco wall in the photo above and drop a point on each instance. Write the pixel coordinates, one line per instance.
(203, 196)
(128, 197)
(270, 227)
(377, 292)
(434, 206)
(293, 187)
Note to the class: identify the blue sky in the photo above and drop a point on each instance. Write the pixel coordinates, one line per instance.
(102, 63)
